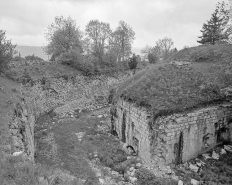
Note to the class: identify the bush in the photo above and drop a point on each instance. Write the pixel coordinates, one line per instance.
(32, 57)
(146, 177)
(6, 51)
(121, 168)
(153, 58)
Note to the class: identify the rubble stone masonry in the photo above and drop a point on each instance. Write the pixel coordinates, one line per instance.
(175, 138)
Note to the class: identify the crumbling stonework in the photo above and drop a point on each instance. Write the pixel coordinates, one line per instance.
(175, 138)
(131, 124)
(22, 130)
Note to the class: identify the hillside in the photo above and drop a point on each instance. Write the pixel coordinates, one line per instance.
(206, 53)
(168, 87)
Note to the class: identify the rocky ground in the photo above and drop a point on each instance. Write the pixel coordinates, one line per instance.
(80, 145)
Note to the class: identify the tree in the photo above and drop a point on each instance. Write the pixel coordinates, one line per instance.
(7, 50)
(216, 30)
(123, 38)
(153, 54)
(99, 34)
(133, 63)
(165, 45)
(63, 37)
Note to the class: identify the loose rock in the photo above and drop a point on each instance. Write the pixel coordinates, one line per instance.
(194, 182)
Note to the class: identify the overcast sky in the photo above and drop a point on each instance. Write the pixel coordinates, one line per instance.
(25, 21)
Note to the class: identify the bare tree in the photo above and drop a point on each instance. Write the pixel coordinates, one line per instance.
(166, 45)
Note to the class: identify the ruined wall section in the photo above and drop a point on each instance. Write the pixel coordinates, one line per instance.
(131, 124)
(183, 136)
(22, 130)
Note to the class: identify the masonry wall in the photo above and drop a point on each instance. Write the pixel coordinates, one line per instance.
(131, 124)
(181, 137)
(22, 130)
(175, 138)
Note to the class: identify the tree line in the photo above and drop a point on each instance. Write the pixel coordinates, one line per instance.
(95, 49)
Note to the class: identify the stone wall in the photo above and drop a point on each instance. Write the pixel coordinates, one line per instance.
(68, 94)
(183, 136)
(130, 123)
(22, 130)
(175, 138)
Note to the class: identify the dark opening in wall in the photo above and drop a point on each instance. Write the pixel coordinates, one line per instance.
(178, 149)
(124, 127)
(136, 144)
(131, 150)
(114, 132)
(222, 135)
(206, 139)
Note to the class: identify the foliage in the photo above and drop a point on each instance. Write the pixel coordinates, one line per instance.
(162, 50)
(6, 50)
(146, 177)
(216, 30)
(121, 40)
(166, 46)
(113, 158)
(153, 58)
(133, 63)
(167, 88)
(32, 57)
(17, 57)
(63, 36)
(99, 34)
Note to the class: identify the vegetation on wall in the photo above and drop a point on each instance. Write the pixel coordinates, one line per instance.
(166, 88)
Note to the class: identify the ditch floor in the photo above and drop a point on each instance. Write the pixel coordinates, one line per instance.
(84, 147)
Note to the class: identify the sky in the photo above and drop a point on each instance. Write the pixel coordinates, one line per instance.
(25, 21)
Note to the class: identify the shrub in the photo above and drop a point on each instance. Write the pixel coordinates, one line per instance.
(121, 168)
(146, 177)
(153, 58)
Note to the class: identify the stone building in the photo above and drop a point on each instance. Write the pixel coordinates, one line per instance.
(164, 130)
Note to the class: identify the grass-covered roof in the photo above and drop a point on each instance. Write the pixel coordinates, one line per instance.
(167, 88)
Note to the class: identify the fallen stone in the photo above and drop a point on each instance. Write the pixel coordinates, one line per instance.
(180, 182)
(17, 153)
(166, 169)
(223, 151)
(80, 135)
(138, 165)
(102, 181)
(206, 156)
(200, 163)
(40, 179)
(100, 116)
(133, 179)
(194, 182)
(133, 173)
(228, 148)
(114, 173)
(131, 169)
(193, 167)
(215, 155)
(128, 157)
(98, 174)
